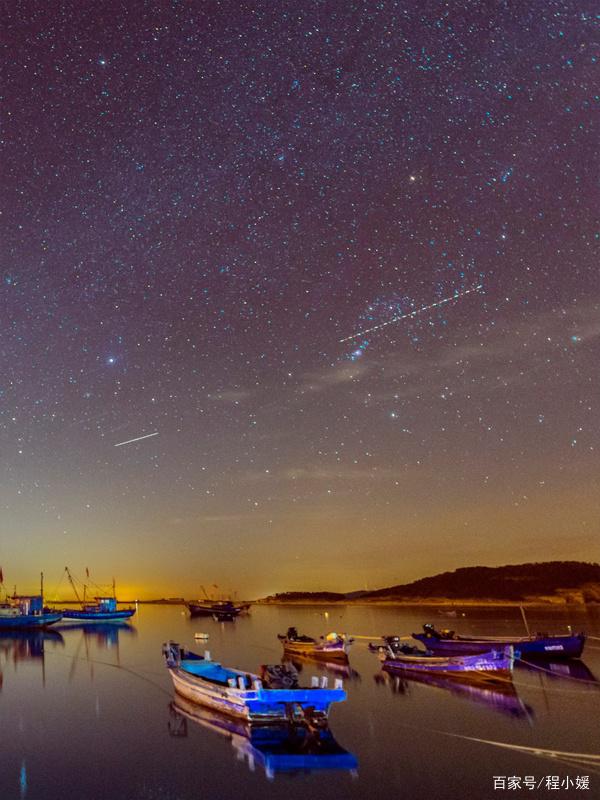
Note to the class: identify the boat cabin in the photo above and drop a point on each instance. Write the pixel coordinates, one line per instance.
(28, 604)
(105, 604)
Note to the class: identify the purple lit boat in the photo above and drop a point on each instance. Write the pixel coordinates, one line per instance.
(540, 645)
(495, 665)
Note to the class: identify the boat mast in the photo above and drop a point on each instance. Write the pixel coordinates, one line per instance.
(72, 582)
(42, 586)
(525, 621)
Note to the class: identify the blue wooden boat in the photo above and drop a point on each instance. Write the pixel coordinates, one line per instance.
(272, 697)
(104, 609)
(276, 748)
(539, 645)
(495, 665)
(26, 611)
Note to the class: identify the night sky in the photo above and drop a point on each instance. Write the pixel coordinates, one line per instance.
(202, 199)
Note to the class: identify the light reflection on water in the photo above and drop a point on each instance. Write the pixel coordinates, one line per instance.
(88, 712)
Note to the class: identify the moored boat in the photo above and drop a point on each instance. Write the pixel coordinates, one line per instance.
(220, 610)
(334, 646)
(495, 665)
(272, 697)
(539, 645)
(103, 609)
(27, 611)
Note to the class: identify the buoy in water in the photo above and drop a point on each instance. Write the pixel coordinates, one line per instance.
(201, 636)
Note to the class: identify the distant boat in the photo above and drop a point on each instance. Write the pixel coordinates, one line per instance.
(333, 646)
(277, 748)
(540, 645)
(221, 610)
(483, 667)
(27, 611)
(272, 697)
(225, 610)
(103, 609)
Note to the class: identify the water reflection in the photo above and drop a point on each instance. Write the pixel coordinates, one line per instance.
(20, 646)
(104, 635)
(575, 670)
(275, 748)
(337, 668)
(501, 697)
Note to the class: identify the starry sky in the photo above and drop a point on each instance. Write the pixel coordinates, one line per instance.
(341, 257)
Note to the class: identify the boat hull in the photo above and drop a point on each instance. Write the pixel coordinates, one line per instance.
(485, 667)
(257, 706)
(100, 616)
(29, 621)
(222, 613)
(325, 652)
(540, 647)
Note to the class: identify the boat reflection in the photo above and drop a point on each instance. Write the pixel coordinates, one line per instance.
(102, 634)
(337, 668)
(26, 645)
(575, 670)
(276, 748)
(501, 697)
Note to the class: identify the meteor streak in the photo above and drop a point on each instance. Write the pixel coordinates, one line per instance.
(413, 313)
(138, 439)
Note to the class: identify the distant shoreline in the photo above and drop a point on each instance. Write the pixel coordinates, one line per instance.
(435, 602)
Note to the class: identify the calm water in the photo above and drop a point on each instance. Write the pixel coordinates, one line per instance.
(87, 715)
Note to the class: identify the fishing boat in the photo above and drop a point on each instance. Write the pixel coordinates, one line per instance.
(494, 665)
(220, 610)
(102, 609)
(27, 611)
(224, 610)
(276, 748)
(334, 646)
(272, 697)
(538, 645)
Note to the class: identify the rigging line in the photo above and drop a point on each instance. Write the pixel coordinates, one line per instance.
(555, 674)
(556, 689)
(587, 758)
(115, 666)
(370, 638)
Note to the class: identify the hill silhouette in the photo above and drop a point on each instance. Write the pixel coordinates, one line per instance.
(558, 581)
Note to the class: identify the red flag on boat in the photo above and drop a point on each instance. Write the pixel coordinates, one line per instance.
(1, 576)
(87, 572)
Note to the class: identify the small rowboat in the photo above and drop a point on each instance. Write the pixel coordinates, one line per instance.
(484, 667)
(272, 697)
(540, 645)
(334, 646)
